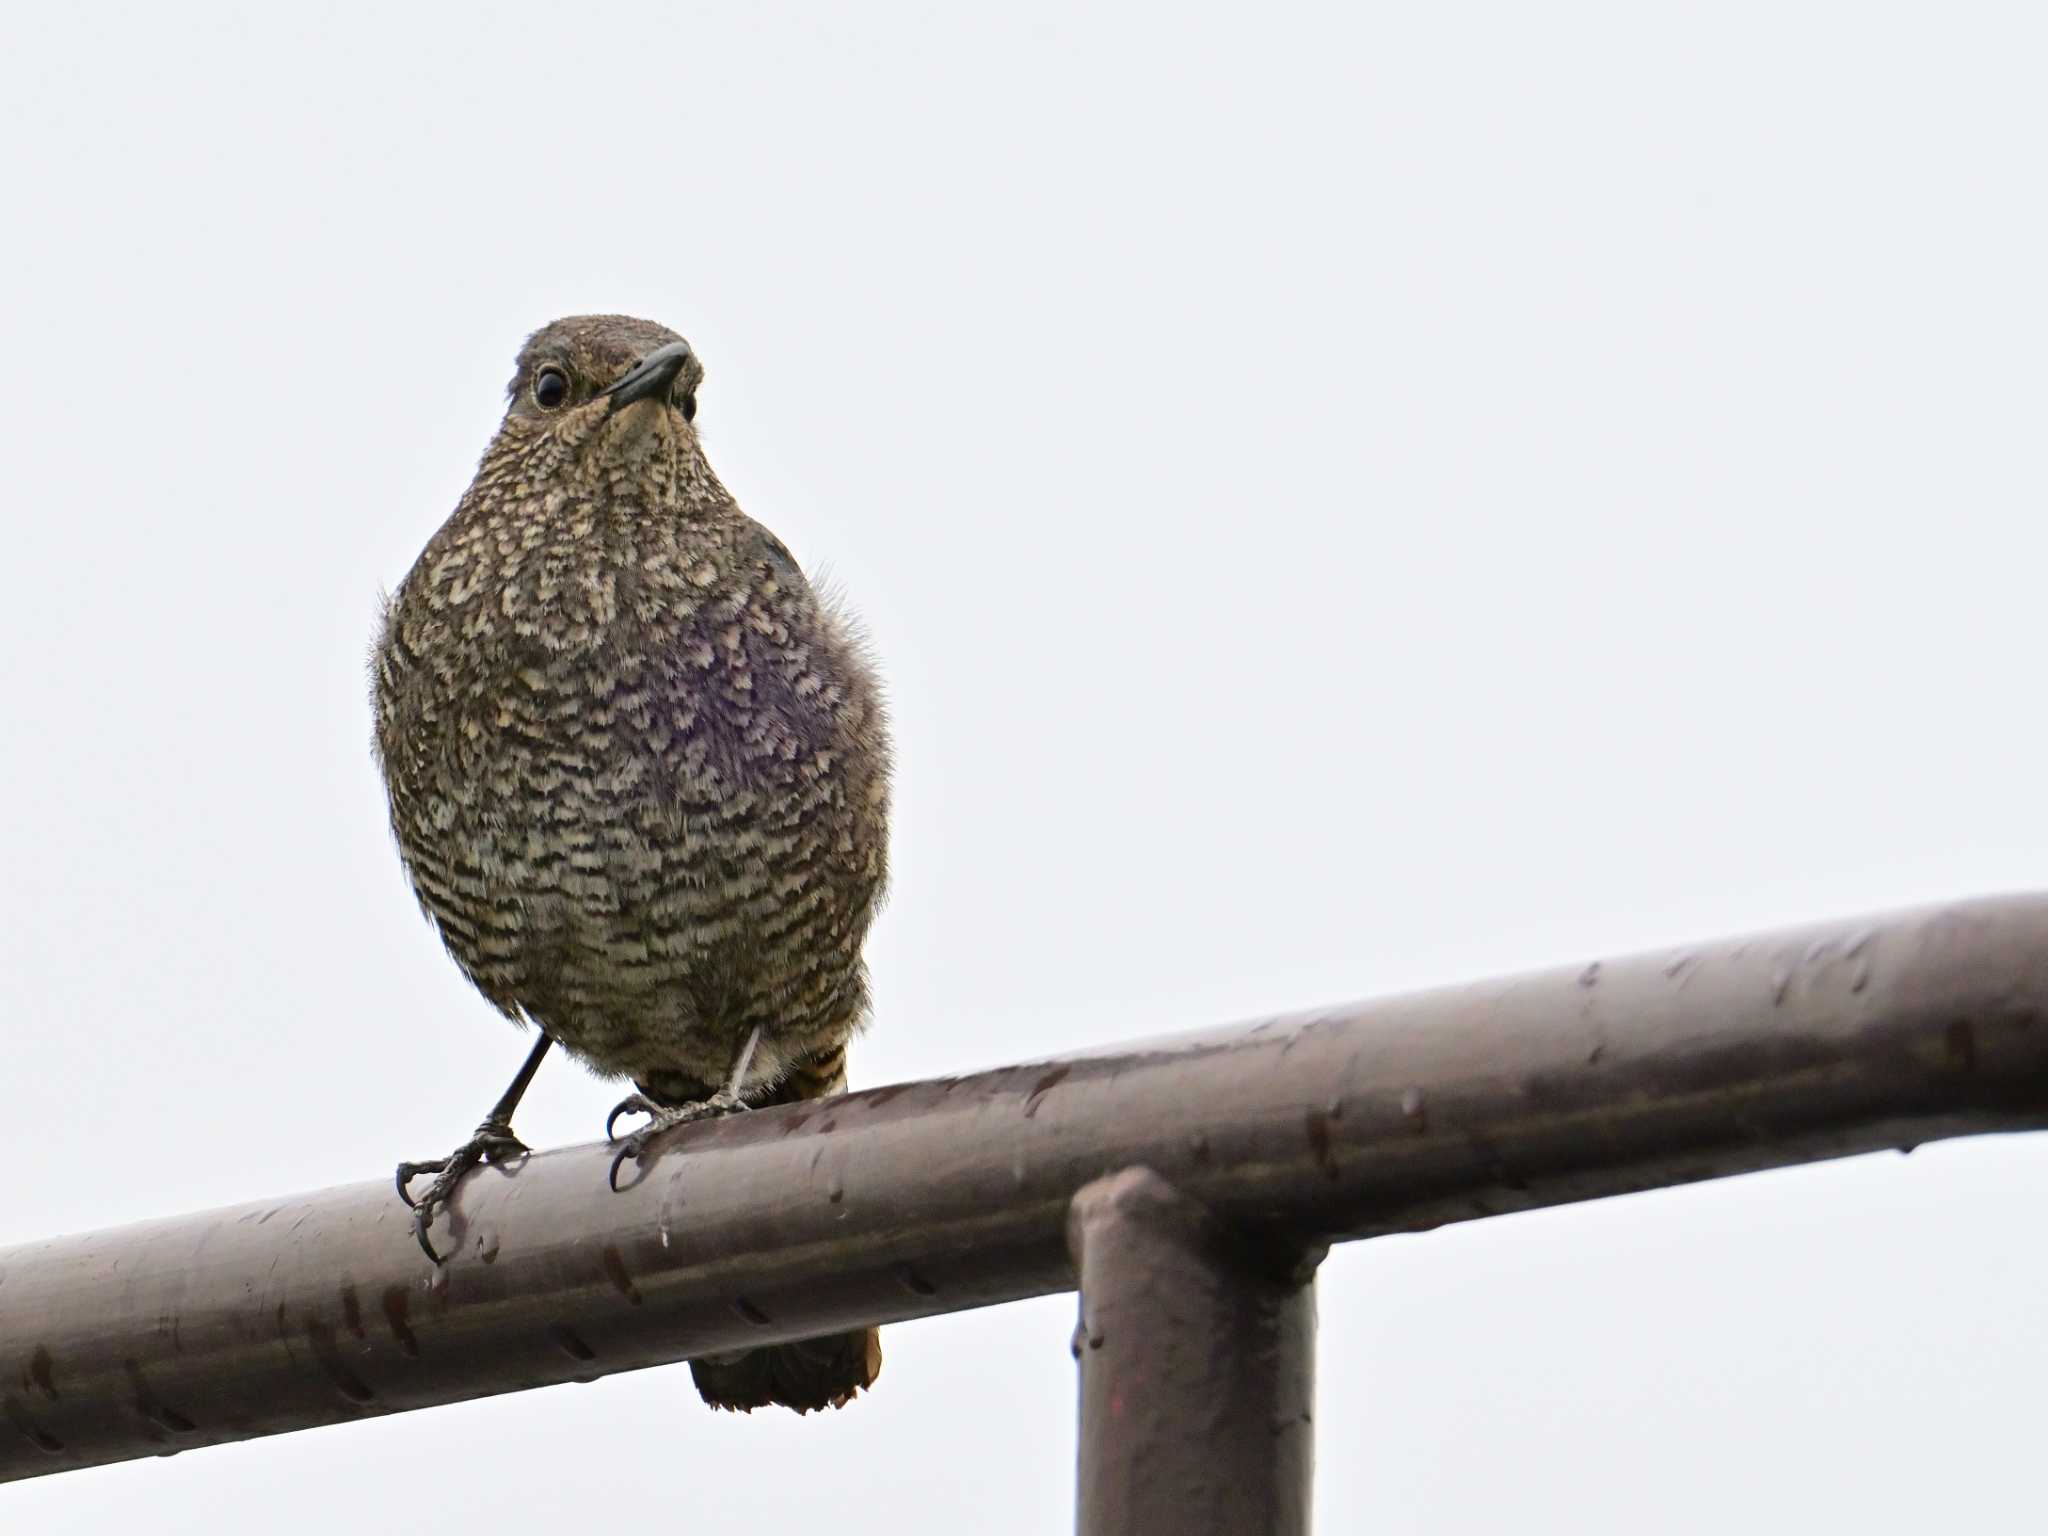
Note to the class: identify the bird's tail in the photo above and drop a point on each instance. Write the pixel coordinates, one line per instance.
(811, 1373)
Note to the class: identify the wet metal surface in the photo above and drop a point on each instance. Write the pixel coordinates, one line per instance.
(1605, 1076)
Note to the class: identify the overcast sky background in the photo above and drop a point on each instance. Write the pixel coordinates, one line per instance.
(1348, 498)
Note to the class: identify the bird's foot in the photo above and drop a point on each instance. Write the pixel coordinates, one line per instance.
(661, 1117)
(493, 1143)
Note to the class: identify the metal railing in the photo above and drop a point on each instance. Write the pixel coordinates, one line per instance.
(1188, 1186)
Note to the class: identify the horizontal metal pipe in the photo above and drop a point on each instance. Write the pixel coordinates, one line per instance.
(938, 1196)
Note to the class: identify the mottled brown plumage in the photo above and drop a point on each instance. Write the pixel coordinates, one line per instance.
(638, 769)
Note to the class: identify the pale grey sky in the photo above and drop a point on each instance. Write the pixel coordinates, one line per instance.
(1348, 498)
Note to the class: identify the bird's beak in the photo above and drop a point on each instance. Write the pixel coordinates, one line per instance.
(654, 375)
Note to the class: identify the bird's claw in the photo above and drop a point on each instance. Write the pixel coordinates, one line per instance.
(494, 1144)
(631, 1104)
(661, 1117)
(630, 1149)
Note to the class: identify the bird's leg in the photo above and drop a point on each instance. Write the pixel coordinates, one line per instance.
(492, 1143)
(662, 1117)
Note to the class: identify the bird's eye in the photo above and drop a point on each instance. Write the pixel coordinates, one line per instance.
(689, 407)
(550, 388)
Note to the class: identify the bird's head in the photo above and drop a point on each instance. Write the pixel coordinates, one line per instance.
(599, 389)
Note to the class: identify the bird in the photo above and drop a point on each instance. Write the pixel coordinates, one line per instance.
(638, 771)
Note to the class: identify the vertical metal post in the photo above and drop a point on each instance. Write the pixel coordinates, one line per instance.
(1197, 1353)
